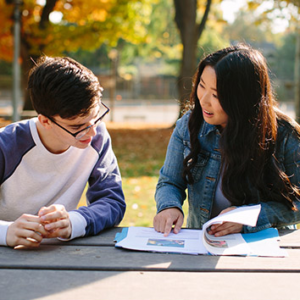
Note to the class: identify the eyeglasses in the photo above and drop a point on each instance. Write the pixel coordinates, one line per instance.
(81, 133)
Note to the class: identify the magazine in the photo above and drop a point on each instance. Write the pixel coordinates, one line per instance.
(195, 241)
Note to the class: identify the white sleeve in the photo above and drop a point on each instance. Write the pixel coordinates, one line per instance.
(3, 232)
(78, 223)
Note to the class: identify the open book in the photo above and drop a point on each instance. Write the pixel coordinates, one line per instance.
(193, 241)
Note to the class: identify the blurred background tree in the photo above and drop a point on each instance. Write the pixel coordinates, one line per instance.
(53, 27)
(143, 51)
(191, 27)
(163, 39)
(288, 10)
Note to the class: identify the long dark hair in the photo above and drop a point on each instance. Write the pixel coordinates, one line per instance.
(247, 142)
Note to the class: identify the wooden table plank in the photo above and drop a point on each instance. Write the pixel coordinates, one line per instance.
(110, 258)
(104, 238)
(94, 285)
(288, 238)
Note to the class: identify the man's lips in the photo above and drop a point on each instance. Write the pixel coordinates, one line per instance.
(86, 141)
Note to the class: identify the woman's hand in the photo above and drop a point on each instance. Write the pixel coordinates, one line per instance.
(226, 227)
(164, 221)
(56, 221)
(26, 231)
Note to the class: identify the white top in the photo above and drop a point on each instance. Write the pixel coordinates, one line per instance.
(32, 177)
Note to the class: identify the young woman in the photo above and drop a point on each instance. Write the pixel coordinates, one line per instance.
(233, 148)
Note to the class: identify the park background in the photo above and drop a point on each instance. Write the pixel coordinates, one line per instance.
(144, 54)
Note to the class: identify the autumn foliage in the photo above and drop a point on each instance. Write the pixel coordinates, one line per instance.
(79, 24)
(51, 27)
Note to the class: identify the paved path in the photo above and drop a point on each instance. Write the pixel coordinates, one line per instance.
(135, 111)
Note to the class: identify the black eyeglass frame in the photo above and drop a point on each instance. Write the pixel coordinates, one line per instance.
(81, 130)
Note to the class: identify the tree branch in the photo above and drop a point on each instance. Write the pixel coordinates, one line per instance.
(204, 19)
(184, 11)
(48, 8)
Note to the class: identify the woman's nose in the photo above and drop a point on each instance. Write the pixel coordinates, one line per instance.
(205, 99)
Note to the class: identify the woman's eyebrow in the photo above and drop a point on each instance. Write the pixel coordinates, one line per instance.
(214, 89)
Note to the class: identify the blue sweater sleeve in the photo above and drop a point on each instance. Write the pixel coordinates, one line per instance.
(106, 203)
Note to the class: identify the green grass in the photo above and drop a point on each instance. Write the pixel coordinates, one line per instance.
(140, 154)
(139, 195)
(141, 206)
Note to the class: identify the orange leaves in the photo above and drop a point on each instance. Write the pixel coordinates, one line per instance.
(78, 11)
(6, 40)
(6, 47)
(81, 24)
(99, 15)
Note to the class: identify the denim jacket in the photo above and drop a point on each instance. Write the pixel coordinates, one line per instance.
(171, 188)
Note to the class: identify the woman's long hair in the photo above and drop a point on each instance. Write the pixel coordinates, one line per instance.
(247, 142)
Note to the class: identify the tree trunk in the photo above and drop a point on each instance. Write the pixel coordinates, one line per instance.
(297, 75)
(26, 55)
(190, 33)
(27, 64)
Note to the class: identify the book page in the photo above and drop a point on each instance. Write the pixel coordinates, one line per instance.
(147, 239)
(226, 245)
(192, 241)
(232, 244)
(265, 243)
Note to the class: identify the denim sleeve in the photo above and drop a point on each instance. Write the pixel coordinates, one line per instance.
(170, 189)
(275, 214)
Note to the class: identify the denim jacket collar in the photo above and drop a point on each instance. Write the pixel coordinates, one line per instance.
(206, 129)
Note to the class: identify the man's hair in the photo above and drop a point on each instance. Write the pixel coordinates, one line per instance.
(62, 86)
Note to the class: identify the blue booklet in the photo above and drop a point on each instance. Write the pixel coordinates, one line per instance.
(193, 241)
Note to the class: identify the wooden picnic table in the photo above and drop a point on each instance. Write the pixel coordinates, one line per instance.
(92, 268)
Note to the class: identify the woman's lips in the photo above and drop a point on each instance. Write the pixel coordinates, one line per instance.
(208, 114)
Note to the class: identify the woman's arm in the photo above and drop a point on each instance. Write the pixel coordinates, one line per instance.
(170, 190)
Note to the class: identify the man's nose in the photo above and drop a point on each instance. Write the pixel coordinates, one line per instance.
(93, 130)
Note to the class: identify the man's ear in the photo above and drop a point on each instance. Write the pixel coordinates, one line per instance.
(44, 121)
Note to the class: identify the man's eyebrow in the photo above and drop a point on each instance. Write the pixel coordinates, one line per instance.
(75, 125)
(80, 125)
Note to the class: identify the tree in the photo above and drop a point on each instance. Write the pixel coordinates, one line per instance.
(291, 8)
(190, 32)
(297, 73)
(191, 18)
(162, 40)
(82, 24)
(245, 29)
(162, 50)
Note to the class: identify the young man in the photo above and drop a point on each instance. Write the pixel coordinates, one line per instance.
(46, 162)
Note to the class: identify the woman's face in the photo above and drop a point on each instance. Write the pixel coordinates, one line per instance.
(212, 111)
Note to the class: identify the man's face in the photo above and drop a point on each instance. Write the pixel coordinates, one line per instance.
(77, 132)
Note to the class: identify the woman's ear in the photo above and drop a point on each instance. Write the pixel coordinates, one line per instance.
(44, 121)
